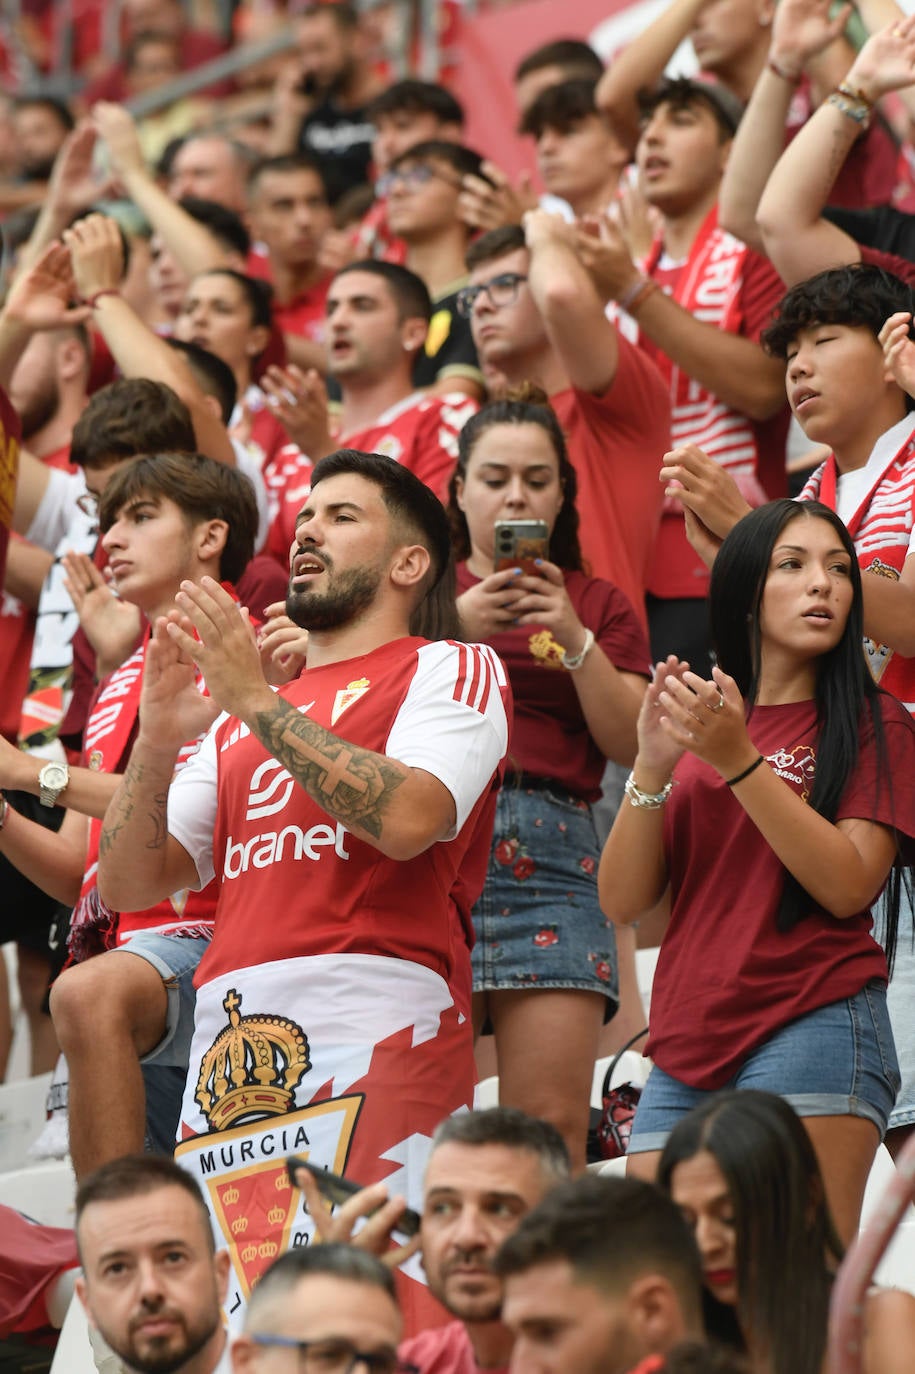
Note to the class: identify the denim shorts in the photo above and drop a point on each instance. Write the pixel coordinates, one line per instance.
(839, 1060)
(175, 959)
(538, 923)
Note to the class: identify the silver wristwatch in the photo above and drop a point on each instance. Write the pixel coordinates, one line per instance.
(52, 780)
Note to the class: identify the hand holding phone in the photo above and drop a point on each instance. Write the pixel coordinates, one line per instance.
(519, 543)
(385, 1215)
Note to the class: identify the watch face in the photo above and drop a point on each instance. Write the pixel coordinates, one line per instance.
(54, 775)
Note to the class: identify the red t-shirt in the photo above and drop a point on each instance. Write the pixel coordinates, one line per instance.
(421, 432)
(753, 451)
(34, 1256)
(238, 813)
(444, 1350)
(550, 737)
(616, 442)
(868, 175)
(726, 978)
(304, 315)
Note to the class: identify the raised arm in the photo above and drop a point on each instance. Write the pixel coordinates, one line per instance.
(191, 243)
(842, 866)
(798, 240)
(801, 29)
(95, 251)
(641, 64)
(139, 862)
(733, 368)
(584, 339)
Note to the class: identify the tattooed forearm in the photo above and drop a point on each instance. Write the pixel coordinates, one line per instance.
(121, 808)
(353, 785)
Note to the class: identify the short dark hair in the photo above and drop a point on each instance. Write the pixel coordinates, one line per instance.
(130, 416)
(302, 161)
(495, 243)
(410, 501)
(135, 1176)
(405, 496)
(683, 93)
(578, 1221)
(344, 14)
(511, 1127)
(416, 97)
(213, 376)
(409, 290)
(464, 161)
(858, 294)
(203, 490)
(576, 56)
(224, 224)
(59, 108)
(561, 107)
(333, 1259)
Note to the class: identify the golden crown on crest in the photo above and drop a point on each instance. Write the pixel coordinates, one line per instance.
(252, 1068)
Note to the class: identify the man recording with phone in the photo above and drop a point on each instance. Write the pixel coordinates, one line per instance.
(486, 1170)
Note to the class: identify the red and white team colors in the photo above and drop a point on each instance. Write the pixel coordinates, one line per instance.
(419, 432)
(877, 505)
(333, 1006)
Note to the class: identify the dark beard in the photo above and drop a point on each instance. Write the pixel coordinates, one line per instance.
(167, 1362)
(343, 603)
(40, 411)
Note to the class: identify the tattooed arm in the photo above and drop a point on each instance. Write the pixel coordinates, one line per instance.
(397, 809)
(139, 862)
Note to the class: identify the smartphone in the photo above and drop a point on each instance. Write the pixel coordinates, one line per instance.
(518, 543)
(338, 1189)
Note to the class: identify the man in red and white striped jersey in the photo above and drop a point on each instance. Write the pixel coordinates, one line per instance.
(347, 819)
(696, 304)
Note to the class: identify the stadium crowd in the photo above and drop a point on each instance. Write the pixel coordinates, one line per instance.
(423, 585)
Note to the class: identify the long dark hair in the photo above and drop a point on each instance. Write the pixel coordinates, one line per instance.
(527, 405)
(846, 695)
(787, 1245)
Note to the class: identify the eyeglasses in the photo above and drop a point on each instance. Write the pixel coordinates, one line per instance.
(338, 1357)
(500, 290)
(419, 175)
(88, 504)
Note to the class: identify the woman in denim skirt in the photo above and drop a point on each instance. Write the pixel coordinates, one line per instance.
(577, 658)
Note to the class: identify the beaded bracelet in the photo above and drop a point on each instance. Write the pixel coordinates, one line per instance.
(647, 801)
(851, 104)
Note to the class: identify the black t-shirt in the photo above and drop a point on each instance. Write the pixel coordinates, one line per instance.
(449, 350)
(342, 140)
(882, 227)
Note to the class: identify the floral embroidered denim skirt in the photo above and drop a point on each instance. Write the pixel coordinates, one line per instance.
(538, 923)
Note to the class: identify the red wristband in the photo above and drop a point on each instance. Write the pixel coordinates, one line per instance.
(92, 301)
(777, 70)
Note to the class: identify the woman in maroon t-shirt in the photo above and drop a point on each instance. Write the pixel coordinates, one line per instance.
(780, 836)
(544, 963)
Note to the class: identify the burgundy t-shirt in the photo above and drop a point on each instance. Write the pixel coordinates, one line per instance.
(726, 978)
(550, 738)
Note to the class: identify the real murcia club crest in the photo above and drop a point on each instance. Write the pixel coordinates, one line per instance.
(347, 695)
(246, 1092)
